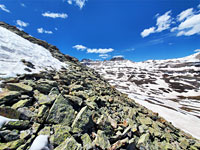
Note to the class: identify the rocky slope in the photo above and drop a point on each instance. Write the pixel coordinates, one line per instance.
(74, 108)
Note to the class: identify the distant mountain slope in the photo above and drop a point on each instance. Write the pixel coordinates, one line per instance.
(165, 86)
(74, 108)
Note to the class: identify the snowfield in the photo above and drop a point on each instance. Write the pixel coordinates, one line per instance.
(19, 56)
(169, 87)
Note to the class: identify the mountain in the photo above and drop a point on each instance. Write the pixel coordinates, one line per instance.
(55, 102)
(170, 87)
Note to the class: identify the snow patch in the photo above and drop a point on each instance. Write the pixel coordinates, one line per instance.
(41, 142)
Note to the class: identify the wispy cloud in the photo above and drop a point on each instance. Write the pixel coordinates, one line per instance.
(80, 47)
(163, 22)
(23, 5)
(147, 32)
(100, 50)
(93, 50)
(185, 14)
(22, 23)
(104, 56)
(3, 7)
(55, 15)
(79, 3)
(41, 30)
(197, 50)
(187, 23)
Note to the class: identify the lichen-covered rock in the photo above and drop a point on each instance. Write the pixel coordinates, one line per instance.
(19, 125)
(69, 144)
(8, 97)
(61, 112)
(83, 121)
(19, 87)
(87, 142)
(45, 131)
(8, 135)
(101, 140)
(45, 86)
(60, 134)
(11, 145)
(44, 99)
(21, 103)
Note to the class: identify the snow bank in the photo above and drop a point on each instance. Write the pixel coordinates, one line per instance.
(41, 142)
(14, 48)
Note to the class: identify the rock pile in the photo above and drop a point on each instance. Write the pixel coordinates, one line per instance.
(76, 109)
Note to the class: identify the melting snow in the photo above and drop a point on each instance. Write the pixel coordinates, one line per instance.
(14, 48)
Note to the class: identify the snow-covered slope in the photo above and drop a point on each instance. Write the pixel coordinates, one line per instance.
(19, 56)
(170, 87)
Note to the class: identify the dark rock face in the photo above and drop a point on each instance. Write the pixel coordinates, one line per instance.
(77, 109)
(117, 58)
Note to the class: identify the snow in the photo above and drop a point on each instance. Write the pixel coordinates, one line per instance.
(41, 142)
(14, 48)
(4, 120)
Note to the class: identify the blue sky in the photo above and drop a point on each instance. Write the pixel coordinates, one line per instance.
(100, 29)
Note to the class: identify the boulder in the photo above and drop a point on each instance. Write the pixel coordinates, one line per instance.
(20, 87)
(61, 112)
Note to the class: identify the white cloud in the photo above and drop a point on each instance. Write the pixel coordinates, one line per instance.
(93, 50)
(79, 3)
(190, 26)
(41, 30)
(104, 56)
(185, 14)
(198, 6)
(164, 22)
(146, 32)
(69, 2)
(173, 29)
(23, 5)
(55, 15)
(100, 50)
(80, 47)
(197, 50)
(3, 7)
(22, 23)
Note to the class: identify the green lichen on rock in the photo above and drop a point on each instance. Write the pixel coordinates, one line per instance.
(21, 103)
(69, 144)
(87, 142)
(60, 134)
(101, 140)
(8, 96)
(11, 145)
(20, 125)
(19, 87)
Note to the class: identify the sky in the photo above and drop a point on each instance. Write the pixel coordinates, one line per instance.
(139, 30)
